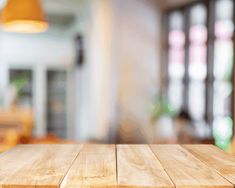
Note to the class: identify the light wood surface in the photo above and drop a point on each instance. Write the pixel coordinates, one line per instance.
(40, 165)
(129, 166)
(138, 167)
(215, 159)
(12, 161)
(94, 167)
(185, 170)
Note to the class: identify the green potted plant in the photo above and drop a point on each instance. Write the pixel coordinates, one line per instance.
(15, 91)
(162, 114)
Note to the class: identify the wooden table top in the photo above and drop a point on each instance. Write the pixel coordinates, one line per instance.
(74, 166)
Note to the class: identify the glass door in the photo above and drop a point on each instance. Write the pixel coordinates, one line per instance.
(56, 102)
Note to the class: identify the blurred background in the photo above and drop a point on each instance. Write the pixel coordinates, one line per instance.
(113, 71)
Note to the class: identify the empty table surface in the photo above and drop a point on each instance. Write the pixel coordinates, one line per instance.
(70, 166)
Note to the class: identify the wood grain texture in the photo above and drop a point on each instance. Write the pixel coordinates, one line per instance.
(138, 167)
(37, 165)
(10, 162)
(185, 169)
(95, 166)
(83, 166)
(216, 159)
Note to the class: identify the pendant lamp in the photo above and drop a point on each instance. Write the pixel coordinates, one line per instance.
(23, 16)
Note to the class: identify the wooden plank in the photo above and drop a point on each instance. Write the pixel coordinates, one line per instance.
(138, 167)
(186, 170)
(8, 161)
(95, 166)
(216, 159)
(37, 165)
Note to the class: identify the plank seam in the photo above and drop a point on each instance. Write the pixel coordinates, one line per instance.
(207, 165)
(116, 157)
(63, 178)
(161, 165)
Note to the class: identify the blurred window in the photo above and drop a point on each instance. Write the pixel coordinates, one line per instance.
(200, 62)
(176, 70)
(197, 66)
(223, 71)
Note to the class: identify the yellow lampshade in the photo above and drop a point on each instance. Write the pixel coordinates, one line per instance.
(24, 16)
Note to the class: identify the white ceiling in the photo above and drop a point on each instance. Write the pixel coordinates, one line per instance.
(167, 4)
(64, 6)
(64, 15)
(78, 6)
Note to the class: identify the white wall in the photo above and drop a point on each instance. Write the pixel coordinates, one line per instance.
(139, 59)
(37, 52)
(123, 58)
(44, 49)
(94, 121)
